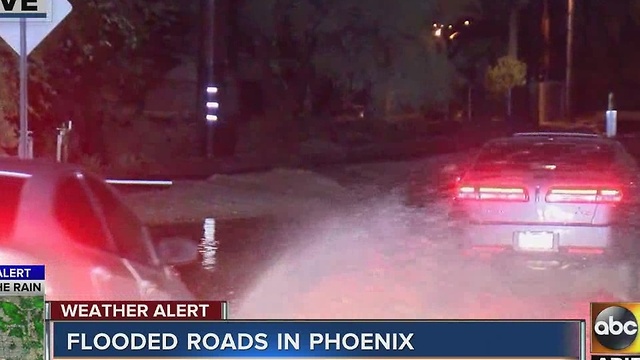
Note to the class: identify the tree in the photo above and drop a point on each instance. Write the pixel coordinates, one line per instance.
(129, 43)
(8, 108)
(605, 57)
(117, 46)
(8, 136)
(379, 45)
(506, 12)
(508, 73)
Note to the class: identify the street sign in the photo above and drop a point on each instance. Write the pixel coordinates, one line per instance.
(37, 29)
(26, 9)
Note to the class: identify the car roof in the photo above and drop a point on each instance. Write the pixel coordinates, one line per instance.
(562, 134)
(551, 137)
(37, 167)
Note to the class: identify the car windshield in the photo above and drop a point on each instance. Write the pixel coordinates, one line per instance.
(545, 156)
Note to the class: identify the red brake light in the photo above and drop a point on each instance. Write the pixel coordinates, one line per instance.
(492, 193)
(585, 250)
(567, 195)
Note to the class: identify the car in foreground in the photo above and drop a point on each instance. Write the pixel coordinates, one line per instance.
(93, 246)
(550, 201)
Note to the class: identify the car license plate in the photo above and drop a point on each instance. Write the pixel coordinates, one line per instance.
(536, 241)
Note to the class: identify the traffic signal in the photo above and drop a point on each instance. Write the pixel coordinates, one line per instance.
(212, 104)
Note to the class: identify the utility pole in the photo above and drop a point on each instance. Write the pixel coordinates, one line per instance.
(23, 145)
(546, 64)
(206, 84)
(546, 35)
(569, 70)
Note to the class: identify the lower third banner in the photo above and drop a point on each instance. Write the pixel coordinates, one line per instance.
(319, 339)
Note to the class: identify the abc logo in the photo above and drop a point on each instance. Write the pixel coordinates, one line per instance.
(615, 328)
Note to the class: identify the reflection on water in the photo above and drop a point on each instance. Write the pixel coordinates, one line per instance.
(225, 271)
(208, 247)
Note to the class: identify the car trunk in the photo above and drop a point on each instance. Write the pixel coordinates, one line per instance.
(544, 196)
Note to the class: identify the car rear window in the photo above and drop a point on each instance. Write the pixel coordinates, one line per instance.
(125, 227)
(77, 216)
(546, 155)
(12, 187)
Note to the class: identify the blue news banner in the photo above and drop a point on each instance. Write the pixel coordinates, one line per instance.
(319, 339)
(21, 272)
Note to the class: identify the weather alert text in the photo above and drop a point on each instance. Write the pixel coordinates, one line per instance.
(614, 331)
(29, 9)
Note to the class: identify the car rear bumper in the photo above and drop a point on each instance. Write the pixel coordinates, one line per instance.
(570, 243)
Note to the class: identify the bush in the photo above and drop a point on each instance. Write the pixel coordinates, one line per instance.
(131, 164)
(93, 163)
(123, 165)
(509, 72)
(147, 139)
(9, 137)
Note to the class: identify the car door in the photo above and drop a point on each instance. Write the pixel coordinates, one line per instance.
(134, 245)
(91, 253)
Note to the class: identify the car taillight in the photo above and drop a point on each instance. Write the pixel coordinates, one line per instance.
(583, 250)
(492, 193)
(567, 195)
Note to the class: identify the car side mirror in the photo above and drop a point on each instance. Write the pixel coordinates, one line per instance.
(177, 251)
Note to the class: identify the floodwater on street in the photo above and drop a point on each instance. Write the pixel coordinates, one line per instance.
(231, 253)
(370, 257)
(364, 264)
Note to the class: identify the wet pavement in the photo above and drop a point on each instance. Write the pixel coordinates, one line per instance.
(232, 253)
(256, 258)
(372, 258)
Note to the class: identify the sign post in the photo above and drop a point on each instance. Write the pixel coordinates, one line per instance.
(42, 16)
(23, 151)
(611, 118)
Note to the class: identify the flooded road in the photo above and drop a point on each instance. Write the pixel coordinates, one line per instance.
(361, 265)
(369, 256)
(232, 252)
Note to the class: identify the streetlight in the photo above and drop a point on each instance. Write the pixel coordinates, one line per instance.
(437, 30)
(441, 42)
(569, 70)
(444, 38)
(452, 33)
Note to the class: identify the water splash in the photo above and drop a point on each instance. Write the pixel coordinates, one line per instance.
(209, 245)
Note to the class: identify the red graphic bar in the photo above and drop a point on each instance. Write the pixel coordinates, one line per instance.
(138, 310)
